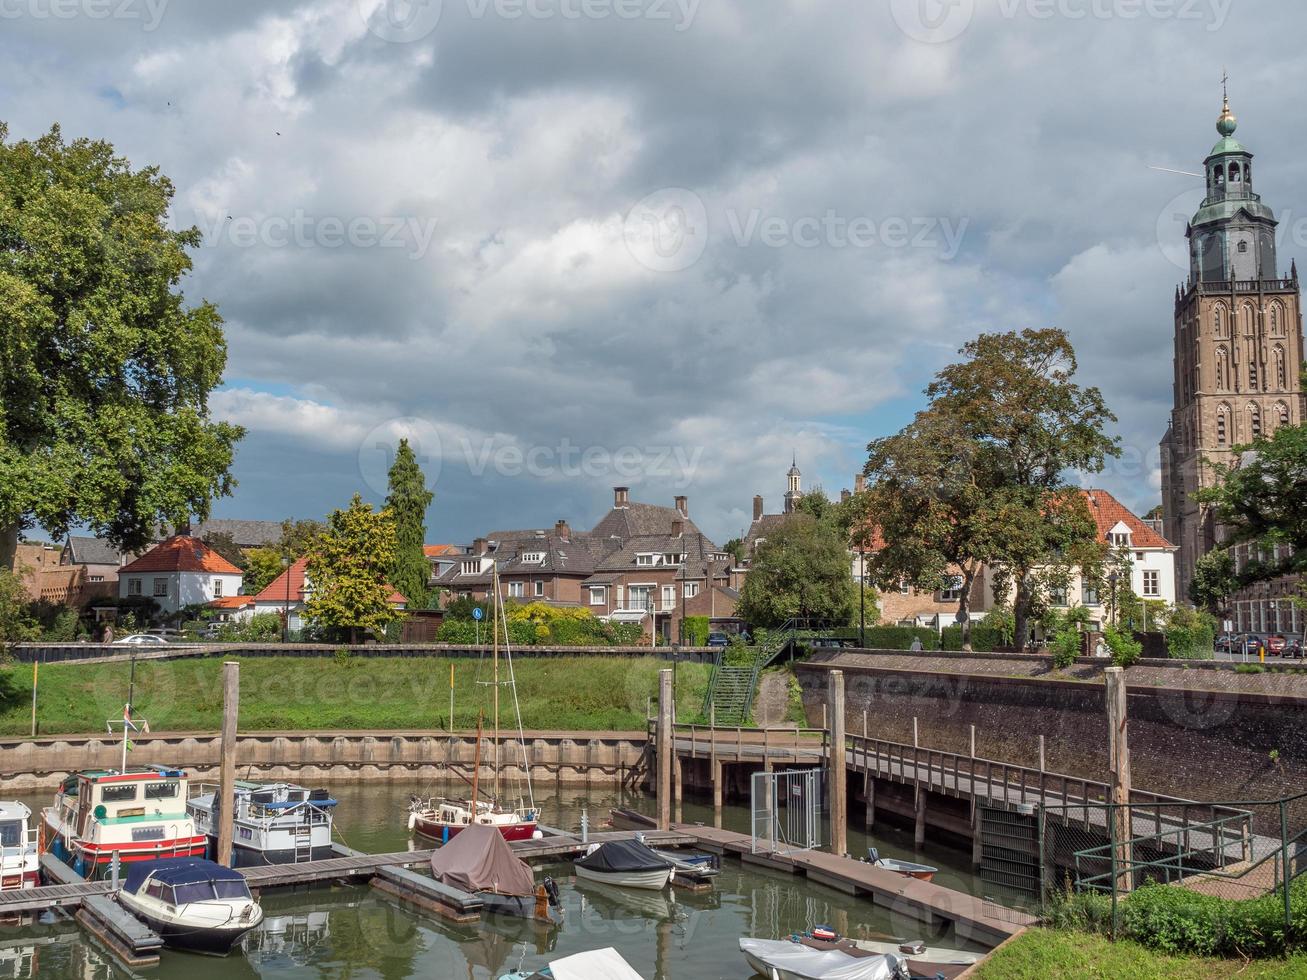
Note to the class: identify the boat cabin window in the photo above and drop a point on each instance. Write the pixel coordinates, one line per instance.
(118, 794)
(11, 833)
(157, 889)
(231, 889)
(161, 791)
(206, 891)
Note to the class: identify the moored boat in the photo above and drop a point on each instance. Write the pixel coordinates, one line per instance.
(479, 861)
(910, 869)
(921, 956)
(193, 904)
(626, 864)
(273, 823)
(134, 814)
(781, 959)
(441, 820)
(20, 867)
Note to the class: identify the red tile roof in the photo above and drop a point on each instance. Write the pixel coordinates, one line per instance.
(1108, 512)
(181, 553)
(233, 602)
(440, 550)
(293, 578)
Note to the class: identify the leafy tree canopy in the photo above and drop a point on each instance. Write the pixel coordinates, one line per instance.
(348, 569)
(801, 570)
(106, 372)
(407, 503)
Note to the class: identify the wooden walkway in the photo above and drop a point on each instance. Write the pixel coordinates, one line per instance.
(973, 918)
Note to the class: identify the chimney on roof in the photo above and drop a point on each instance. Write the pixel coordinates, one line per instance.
(859, 483)
(479, 546)
(757, 507)
(678, 528)
(683, 506)
(563, 531)
(621, 496)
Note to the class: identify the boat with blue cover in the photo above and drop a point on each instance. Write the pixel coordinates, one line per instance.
(192, 903)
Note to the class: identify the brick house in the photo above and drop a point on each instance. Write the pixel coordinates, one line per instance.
(287, 596)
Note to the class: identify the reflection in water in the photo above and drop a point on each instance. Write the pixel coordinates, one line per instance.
(355, 932)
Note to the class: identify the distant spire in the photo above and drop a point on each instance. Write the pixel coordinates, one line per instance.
(1293, 270)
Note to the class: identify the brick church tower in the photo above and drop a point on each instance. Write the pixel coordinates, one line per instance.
(1238, 344)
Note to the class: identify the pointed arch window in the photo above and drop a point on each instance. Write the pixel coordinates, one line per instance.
(1249, 317)
(1222, 426)
(1282, 414)
(1255, 421)
(1252, 366)
(1222, 368)
(1275, 320)
(1280, 375)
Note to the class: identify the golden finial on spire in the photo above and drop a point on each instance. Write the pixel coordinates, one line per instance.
(1227, 124)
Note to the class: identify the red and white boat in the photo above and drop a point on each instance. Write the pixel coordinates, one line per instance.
(136, 814)
(441, 819)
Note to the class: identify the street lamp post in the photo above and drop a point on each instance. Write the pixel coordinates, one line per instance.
(285, 622)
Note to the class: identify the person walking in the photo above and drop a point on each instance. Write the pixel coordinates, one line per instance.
(916, 645)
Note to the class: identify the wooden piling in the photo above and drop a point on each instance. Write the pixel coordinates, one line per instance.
(919, 824)
(973, 741)
(226, 802)
(678, 792)
(1119, 753)
(665, 749)
(838, 774)
(869, 791)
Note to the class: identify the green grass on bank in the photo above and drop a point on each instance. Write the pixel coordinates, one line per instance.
(1043, 953)
(294, 694)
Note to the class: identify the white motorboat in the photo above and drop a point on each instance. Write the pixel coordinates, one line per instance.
(273, 823)
(192, 903)
(626, 864)
(918, 952)
(598, 964)
(781, 959)
(20, 867)
(909, 869)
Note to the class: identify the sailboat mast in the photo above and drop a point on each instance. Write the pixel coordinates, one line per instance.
(495, 680)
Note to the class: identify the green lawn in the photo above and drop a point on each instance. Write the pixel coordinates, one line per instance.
(1042, 953)
(293, 693)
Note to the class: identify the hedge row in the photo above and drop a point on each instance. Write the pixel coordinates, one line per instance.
(891, 637)
(1177, 920)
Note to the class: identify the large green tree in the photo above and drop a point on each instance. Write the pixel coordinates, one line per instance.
(1015, 396)
(348, 569)
(928, 498)
(105, 370)
(801, 570)
(264, 564)
(407, 503)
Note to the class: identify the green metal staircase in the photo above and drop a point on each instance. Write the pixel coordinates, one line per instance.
(732, 687)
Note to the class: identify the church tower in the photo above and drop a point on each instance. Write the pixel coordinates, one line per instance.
(1238, 344)
(795, 492)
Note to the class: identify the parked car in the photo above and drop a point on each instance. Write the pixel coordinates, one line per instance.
(1275, 644)
(1227, 643)
(718, 640)
(141, 640)
(1293, 648)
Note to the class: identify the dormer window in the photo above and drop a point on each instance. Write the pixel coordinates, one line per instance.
(471, 567)
(646, 560)
(673, 559)
(533, 558)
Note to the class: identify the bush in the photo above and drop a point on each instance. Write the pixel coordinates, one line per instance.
(1065, 647)
(1088, 911)
(1190, 635)
(1126, 650)
(695, 631)
(893, 637)
(1177, 920)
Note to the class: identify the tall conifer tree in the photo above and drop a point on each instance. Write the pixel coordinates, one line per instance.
(408, 502)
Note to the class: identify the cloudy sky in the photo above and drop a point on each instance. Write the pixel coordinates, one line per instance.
(571, 244)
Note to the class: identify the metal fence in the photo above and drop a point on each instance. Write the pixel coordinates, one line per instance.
(787, 811)
(1232, 849)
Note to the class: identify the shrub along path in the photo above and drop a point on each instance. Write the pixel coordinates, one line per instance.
(350, 693)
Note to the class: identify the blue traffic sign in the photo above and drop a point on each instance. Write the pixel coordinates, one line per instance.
(477, 614)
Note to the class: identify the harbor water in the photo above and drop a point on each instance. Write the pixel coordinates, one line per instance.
(355, 932)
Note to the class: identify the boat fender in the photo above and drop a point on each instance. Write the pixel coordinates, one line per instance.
(537, 835)
(873, 855)
(444, 835)
(412, 821)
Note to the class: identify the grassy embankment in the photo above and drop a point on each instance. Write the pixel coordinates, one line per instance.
(297, 694)
(1043, 953)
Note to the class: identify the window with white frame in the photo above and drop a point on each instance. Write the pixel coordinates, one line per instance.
(691, 590)
(673, 559)
(1089, 594)
(160, 588)
(597, 595)
(533, 558)
(133, 586)
(904, 587)
(1121, 539)
(669, 596)
(953, 591)
(540, 586)
(1152, 582)
(1057, 595)
(644, 559)
(471, 567)
(639, 596)
(516, 590)
(217, 588)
